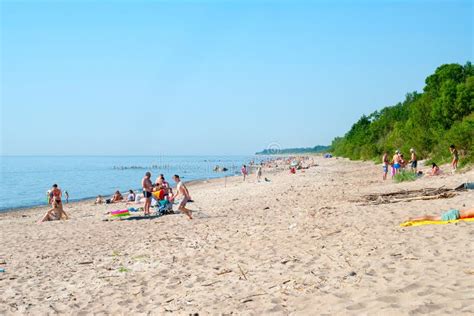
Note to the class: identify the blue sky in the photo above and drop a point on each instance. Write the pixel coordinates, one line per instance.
(212, 77)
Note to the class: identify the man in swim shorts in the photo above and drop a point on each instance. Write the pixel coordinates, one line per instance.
(396, 163)
(147, 190)
(450, 215)
(181, 189)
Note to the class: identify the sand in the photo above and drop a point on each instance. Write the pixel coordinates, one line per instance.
(298, 245)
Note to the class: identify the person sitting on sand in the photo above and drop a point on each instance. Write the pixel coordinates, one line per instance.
(57, 212)
(181, 189)
(446, 216)
(435, 171)
(117, 197)
(131, 196)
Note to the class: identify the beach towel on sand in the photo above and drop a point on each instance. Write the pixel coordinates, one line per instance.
(421, 223)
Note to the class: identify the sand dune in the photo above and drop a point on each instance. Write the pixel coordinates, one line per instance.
(300, 245)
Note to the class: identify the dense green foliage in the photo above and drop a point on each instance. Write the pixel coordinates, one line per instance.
(429, 122)
(296, 151)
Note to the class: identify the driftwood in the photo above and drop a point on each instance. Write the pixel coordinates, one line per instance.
(409, 195)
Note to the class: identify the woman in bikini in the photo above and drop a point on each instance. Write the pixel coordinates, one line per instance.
(57, 212)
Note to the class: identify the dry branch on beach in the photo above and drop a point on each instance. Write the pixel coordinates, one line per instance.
(408, 196)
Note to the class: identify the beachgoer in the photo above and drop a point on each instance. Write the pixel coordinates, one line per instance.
(259, 172)
(396, 165)
(131, 196)
(117, 197)
(181, 189)
(99, 200)
(147, 190)
(57, 212)
(454, 162)
(446, 216)
(385, 164)
(413, 160)
(435, 171)
(244, 171)
(67, 196)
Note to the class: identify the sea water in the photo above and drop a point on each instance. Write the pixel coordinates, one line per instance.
(26, 179)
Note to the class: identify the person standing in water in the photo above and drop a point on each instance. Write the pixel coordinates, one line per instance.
(147, 190)
(181, 189)
(454, 162)
(413, 160)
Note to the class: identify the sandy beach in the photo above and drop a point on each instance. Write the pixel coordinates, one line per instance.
(303, 244)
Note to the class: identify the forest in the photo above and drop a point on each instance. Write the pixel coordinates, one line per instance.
(427, 121)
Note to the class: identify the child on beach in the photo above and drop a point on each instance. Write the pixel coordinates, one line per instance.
(385, 164)
(244, 171)
(454, 162)
(181, 189)
(446, 216)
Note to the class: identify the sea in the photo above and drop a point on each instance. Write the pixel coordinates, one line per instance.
(26, 179)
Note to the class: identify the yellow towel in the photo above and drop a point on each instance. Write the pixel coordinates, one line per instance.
(421, 223)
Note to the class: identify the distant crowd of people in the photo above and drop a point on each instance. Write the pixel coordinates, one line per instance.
(399, 164)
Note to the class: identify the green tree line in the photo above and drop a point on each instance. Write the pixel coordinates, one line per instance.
(430, 121)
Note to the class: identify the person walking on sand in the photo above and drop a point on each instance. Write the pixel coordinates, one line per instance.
(454, 162)
(413, 160)
(66, 194)
(259, 172)
(385, 164)
(181, 189)
(244, 171)
(147, 191)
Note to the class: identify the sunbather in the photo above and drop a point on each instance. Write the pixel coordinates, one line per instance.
(117, 197)
(446, 216)
(55, 214)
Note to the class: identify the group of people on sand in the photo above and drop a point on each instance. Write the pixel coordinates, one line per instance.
(399, 164)
(159, 191)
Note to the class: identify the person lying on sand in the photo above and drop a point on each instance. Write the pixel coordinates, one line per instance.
(182, 190)
(99, 200)
(445, 216)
